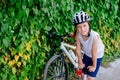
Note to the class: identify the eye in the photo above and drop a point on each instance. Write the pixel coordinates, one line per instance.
(84, 26)
(79, 27)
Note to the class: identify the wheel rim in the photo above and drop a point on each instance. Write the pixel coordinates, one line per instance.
(57, 70)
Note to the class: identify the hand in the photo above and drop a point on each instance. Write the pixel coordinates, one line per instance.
(81, 66)
(91, 68)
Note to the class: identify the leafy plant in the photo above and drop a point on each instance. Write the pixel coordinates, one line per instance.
(25, 24)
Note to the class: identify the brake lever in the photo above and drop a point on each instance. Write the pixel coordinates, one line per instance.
(50, 35)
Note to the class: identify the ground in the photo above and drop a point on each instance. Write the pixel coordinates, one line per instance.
(111, 72)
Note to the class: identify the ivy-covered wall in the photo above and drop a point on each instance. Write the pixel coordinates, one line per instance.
(24, 25)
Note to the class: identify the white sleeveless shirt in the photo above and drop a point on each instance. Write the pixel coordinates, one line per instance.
(87, 45)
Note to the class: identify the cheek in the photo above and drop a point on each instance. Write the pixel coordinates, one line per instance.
(87, 28)
(78, 29)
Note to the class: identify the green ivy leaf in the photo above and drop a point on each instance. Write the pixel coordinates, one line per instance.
(1, 16)
(27, 12)
(13, 77)
(30, 3)
(20, 13)
(12, 11)
(6, 41)
(35, 10)
(18, 4)
(13, 2)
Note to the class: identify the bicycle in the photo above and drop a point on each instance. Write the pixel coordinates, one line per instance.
(56, 67)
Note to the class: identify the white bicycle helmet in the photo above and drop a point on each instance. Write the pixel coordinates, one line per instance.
(80, 17)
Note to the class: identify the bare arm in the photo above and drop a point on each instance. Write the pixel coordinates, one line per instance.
(78, 52)
(94, 50)
(94, 54)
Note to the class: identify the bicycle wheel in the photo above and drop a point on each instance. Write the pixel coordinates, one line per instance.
(56, 69)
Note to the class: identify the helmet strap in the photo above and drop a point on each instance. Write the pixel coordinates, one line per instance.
(89, 30)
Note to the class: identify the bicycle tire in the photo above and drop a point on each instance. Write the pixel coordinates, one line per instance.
(60, 69)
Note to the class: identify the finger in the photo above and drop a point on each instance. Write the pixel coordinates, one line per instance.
(88, 67)
(83, 65)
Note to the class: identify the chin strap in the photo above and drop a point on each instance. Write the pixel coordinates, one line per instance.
(89, 32)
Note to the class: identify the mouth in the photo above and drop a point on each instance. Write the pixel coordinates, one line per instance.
(84, 32)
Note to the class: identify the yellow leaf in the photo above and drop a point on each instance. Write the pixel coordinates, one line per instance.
(28, 56)
(118, 37)
(10, 49)
(20, 54)
(113, 41)
(100, 21)
(116, 45)
(107, 34)
(28, 47)
(43, 54)
(110, 30)
(107, 50)
(3, 61)
(11, 63)
(43, 37)
(39, 43)
(13, 51)
(24, 63)
(14, 37)
(13, 70)
(104, 28)
(25, 57)
(89, 13)
(42, 60)
(67, 60)
(7, 58)
(26, 78)
(16, 57)
(19, 64)
(22, 45)
(104, 41)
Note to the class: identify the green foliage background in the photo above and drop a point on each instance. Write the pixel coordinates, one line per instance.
(24, 25)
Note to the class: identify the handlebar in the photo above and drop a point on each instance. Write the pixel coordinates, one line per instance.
(80, 71)
(85, 69)
(54, 35)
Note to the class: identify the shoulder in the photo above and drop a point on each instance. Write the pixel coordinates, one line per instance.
(94, 32)
(95, 35)
(95, 38)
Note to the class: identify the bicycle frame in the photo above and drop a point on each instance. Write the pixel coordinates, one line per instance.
(68, 52)
(63, 47)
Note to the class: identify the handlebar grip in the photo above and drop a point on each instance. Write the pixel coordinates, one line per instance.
(78, 72)
(85, 69)
(72, 35)
(53, 34)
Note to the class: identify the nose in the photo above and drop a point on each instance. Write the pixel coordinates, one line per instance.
(82, 28)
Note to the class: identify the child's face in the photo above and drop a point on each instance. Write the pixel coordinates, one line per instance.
(83, 28)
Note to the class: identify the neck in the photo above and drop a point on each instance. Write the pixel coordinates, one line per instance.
(87, 35)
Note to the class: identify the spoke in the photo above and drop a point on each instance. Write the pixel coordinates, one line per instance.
(56, 71)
